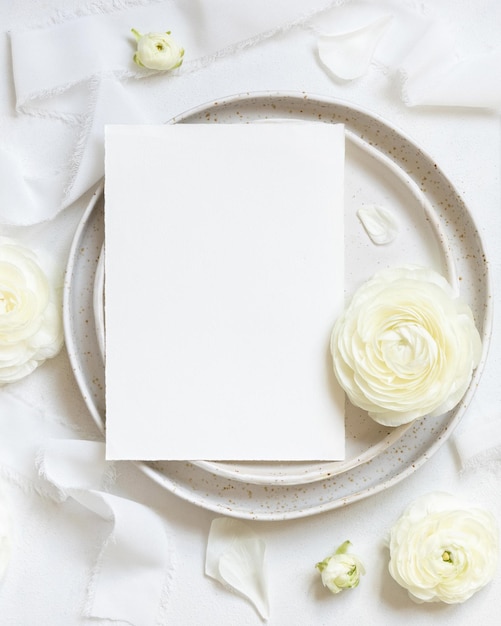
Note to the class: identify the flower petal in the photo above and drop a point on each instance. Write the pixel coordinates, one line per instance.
(235, 558)
(379, 223)
(348, 55)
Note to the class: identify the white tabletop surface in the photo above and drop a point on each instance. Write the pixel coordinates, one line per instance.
(57, 543)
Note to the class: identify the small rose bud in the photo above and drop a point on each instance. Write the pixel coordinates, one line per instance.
(341, 570)
(157, 51)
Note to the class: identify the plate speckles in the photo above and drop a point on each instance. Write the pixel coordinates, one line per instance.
(437, 230)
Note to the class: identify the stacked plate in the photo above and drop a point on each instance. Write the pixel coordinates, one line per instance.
(383, 168)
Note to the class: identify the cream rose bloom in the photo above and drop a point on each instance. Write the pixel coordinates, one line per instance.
(157, 51)
(30, 313)
(443, 549)
(406, 346)
(341, 570)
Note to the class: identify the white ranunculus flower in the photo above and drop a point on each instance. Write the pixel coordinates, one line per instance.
(157, 51)
(443, 549)
(341, 570)
(406, 346)
(30, 313)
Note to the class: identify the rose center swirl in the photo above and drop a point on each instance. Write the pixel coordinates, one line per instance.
(8, 302)
(408, 348)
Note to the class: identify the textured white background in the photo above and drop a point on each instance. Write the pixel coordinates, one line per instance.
(56, 544)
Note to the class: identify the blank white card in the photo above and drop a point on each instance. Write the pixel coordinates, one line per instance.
(224, 276)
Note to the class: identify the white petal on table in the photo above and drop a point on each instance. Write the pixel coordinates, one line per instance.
(235, 558)
(379, 223)
(348, 55)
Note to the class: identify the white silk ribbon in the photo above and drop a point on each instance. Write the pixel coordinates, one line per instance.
(80, 69)
(130, 581)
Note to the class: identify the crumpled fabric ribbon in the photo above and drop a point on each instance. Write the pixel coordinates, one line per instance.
(80, 69)
(478, 441)
(131, 579)
(421, 52)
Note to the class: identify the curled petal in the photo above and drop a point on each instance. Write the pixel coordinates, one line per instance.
(348, 55)
(235, 558)
(379, 223)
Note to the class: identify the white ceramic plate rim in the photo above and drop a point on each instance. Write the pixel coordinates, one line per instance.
(206, 501)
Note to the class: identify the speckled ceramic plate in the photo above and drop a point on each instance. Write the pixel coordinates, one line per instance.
(383, 167)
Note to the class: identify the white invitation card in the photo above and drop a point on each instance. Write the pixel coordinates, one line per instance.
(224, 274)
